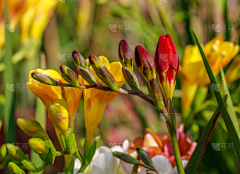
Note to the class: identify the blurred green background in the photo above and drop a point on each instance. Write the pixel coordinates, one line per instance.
(43, 34)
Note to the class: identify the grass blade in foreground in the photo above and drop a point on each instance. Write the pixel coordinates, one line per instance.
(202, 143)
(230, 104)
(230, 127)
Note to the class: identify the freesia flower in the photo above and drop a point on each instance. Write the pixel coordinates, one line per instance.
(159, 144)
(96, 100)
(103, 162)
(193, 72)
(233, 72)
(65, 96)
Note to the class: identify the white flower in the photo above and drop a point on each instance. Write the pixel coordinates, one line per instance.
(103, 162)
(163, 166)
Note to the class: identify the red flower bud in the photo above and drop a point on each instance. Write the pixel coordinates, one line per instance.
(145, 63)
(167, 64)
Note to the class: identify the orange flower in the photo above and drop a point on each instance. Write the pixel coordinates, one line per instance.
(159, 144)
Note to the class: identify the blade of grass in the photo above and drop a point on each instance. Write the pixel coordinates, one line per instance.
(202, 143)
(229, 125)
(8, 85)
(230, 106)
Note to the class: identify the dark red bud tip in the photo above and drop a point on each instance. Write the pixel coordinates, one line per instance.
(142, 57)
(78, 59)
(124, 51)
(166, 54)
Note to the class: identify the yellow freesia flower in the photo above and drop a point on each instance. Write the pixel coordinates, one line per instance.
(193, 72)
(95, 100)
(65, 96)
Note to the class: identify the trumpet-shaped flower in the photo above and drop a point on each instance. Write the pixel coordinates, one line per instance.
(193, 72)
(95, 100)
(65, 96)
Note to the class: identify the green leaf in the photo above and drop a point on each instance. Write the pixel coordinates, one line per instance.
(144, 157)
(230, 127)
(92, 148)
(232, 113)
(202, 143)
(8, 85)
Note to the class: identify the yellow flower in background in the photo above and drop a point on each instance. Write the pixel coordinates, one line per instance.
(65, 96)
(96, 100)
(233, 72)
(29, 17)
(193, 72)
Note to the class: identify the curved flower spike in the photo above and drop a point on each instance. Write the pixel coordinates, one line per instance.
(95, 100)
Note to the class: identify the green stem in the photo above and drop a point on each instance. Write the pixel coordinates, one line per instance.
(61, 153)
(82, 168)
(41, 168)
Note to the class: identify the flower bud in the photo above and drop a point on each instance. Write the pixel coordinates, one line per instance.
(3, 151)
(15, 152)
(131, 78)
(37, 145)
(145, 63)
(167, 64)
(14, 168)
(70, 76)
(32, 127)
(103, 73)
(58, 115)
(125, 55)
(79, 59)
(44, 79)
(87, 74)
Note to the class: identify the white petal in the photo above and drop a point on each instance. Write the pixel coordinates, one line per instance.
(184, 163)
(126, 145)
(125, 168)
(105, 163)
(116, 148)
(162, 164)
(77, 165)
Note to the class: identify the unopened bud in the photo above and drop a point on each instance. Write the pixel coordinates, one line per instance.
(3, 151)
(15, 152)
(145, 63)
(70, 76)
(14, 168)
(44, 79)
(32, 127)
(37, 145)
(58, 115)
(167, 64)
(131, 78)
(103, 73)
(125, 55)
(86, 74)
(79, 59)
